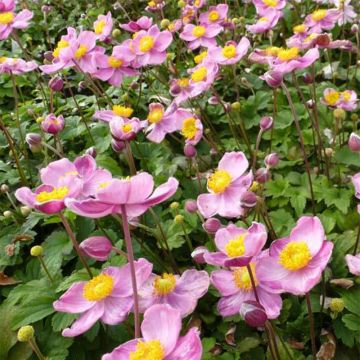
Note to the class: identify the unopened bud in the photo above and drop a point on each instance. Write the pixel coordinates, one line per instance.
(53, 124)
(339, 114)
(181, 3)
(211, 225)
(198, 254)
(273, 78)
(178, 219)
(308, 78)
(56, 83)
(354, 142)
(329, 152)
(266, 123)
(262, 175)
(235, 106)
(310, 104)
(7, 214)
(25, 210)
(91, 151)
(117, 146)
(190, 150)
(36, 250)
(48, 55)
(4, 188)
(191, 206)
(46, 8)
(248, 199)
(134, 85)
(164, 23)
(25, 333)
(116, 33)
(354, 28)
(337, 305)
(253, 313)
(174, 205)
(271, 160)
(213, 100)
(97, 247)
(33, 139)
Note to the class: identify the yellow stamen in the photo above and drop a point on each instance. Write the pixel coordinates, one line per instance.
(263, 19)
(213, 16)
(219, 181)
(189, 128)
(81, 51)
(6, 18)
(199, 74)
(199, 31)
(199, 58)
(114, 62)
(272, 50)
(98, 288)
(122, 111)
(270, 3)
(346, 95)
(147, 42)
(242, 277)
(332, 97)
(229, 51)
(155, 115)
(60, 45)
(149, 350)
(295, 255)
(56, 194)
(99, 27)
(165, 284)
(236, 247)
(151, 3)
(318, 15)
(183, 82)
(103, 185)
(299, 29)
(288, 54)
(126, 128)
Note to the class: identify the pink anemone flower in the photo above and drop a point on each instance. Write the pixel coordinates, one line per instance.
(125, 130)
(348, 100)
(150, 46)
(215, 15)
(181, 90)
(9, 20)
(295, 263)
(237, 246)
(180, 292)
(108, 297)
(226, 186)
(263, 6)
(53, 124)
(113, 68)
(16, 66)
(7, 5)
(346, 11)
(322, 19)
(235, 288)
(200, 35)
(103, 26)
(117, 111)
(231, 53)
(143, 23)
(161, 338)
(331, 97)
(268, 21)
(353, 263)
(191, 127)
(111, 195)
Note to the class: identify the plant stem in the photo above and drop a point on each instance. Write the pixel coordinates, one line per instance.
(42, 262)
(357, 241)
(36, 349)
(130, 253)
(75, 243)
(312, 328)
(253, 284)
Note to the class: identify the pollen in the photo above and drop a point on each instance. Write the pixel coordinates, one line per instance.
(346, 95)
(56, 194)
(103, 185)
(199, 58)
(155, 116)
(183, 82)
(270, 3)
(98, 288)
(318, 15)
(213, 16)
(127, 128)
(165, 284)
(148, 350)
(199, 31)
(219, 181)
(189, 128)
(99, 27)
(6, 18)
(81, 51)
(263, 19)
(288, 54)
(242, 277)
(298, 29)
(295, 256)
(272, 50)
(147, 42)
(199, 74)
(122, 111)
(229, 51)
(236, 247)
(151, 3)
(62, 44)
(332, 97)
(114, 62)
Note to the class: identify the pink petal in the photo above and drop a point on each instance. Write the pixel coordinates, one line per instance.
(193, 283)
(122, 352)
(188, 347)
(90, 208)
(223, 280)
(116, 310)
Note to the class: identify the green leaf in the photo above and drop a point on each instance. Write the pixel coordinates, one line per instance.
(247, 344)
(352, 322)
(343, 333)
(298, 202)
(60, 320)
(351, 299)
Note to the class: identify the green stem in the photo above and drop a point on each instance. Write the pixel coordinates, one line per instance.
(312, 327)
(42, 262)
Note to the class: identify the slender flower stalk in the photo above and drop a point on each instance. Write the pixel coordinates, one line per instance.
(36, 349)
(312, 328)
(42, 262)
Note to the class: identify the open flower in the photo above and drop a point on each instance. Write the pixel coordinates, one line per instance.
(353, 263)
(191, 127)
(161, 339)
(295, 263)
(9, 20)
(346, 11)
(103, 26)
(322, 19)
(348, 100)
(53, 124)
(331, 97)
(200, 35)
(268, 20)
(262, 6)
(16, 66)
(236, 245)
(180, 292)
(226, 185)
(235, 288)
(215, 15)
(117, 111)
(143, 23)
(231, 53)
(125, 130)
(108, 297)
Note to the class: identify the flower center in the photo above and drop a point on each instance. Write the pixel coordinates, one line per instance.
(219, 181)
(199, 31)
(299, 29)
(114, 62)
(122, 111)
(242, 277)
(236, 247)
(318, 15)
(81, 51)
(148, 350)
(288, 54)
(146, 43)
(295, 255)
(229, 51)
(183, 83)
(213, 15)
(6, 18)
(151, 3)
(346, 95)
(199, 74)
(99, 27)
(126, 128)
(3, 59)
(270, 3)
(62, 44)
(56, 194)
(164, 284)
(332, 97)
(199, 58)
(189, 128)
(155, 116)
(263, 19)
(272, 51)
(98, 288)
(103, 185)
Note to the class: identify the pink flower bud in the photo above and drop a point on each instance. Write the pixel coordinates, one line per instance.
(271, 160)
(266, 123)
(211, 225)
(175, 89)
(46, 8)
(310, 104)
(33, 139)
(198, 254)
(213, 100)
(2, 7)
(354, 142)
(248, 199)
(253, 313)
(91, 151)
(191, 206)
(262, 175)
(322, 40)
(308, 78)
(48, 55)
(354, 28)
(97, 247)
(273, 78)
(56, 83)
(52, 124)
(117, 146)
(190, 150)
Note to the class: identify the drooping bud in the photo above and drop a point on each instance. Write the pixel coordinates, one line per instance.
(56, 83)
(266, 123)
(48, 55)
(91, 151)
(4, 188)
(248, 199)
(354, 142)
(308, 78)
(33, 139)
(262, 175)
(253, 313)
(97, 247)
(213, 100)
(198, 254)
(211, 225)
(36, 250)
(271, 160)
(273, 78)
(190, 150)
(25, 333)
(191, 206)
(53, 124)
(117, 146)
(25, 210)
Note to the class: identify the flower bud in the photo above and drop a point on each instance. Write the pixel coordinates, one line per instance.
(354, 117)
(339, 114)
(266, 123)
(337, 305)
(329, 152)
(310, 104)
(34, 141)
(4, 188)
(271, 160)
(117, 146)
(323, 40)
(191, 206)
(81, 85)
(198, 254)
(211, 225)
(213, 100)
(48, 55)
(36, 250)
(174, 205)
(181, 3)
(7, 214)
(10, 250)
(253, 313)
(354, 142)
(97, 247)
(354, 28)
(262, 175)
(39, 119)
(125, 97)
(134, 85)
(190, 150)
(248, 199)
(25, 333)
(91, 151)
(116, 33)
(179, 219)
(46, 8)
(52, 124)
(56, 83)
(164, 23)
(308, 78)
(25, 210)
(235, 106)
(273, 78)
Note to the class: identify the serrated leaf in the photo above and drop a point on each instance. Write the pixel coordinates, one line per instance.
(352, 322)
(298, 202)
(60, 320)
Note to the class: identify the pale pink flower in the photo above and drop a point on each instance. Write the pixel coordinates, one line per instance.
(215, 15)
(143, 23)
(200, 35)
(268, 21)
(231, 53)
(103, 26)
